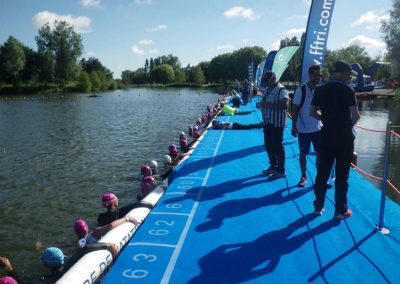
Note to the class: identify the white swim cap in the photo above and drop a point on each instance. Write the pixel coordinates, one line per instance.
(153, 164)
(167, 159)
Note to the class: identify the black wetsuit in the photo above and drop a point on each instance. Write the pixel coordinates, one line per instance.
(115, 214)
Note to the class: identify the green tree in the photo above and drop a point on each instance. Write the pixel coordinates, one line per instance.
(95, 81)
(196, 75)
(65, 45)
(163, 74)
(94, 64)
(84, 83)
(180, 76)
(391, 35)
(12, 59)
(350, 54)
(46, 67)
(126, 77)
(30, 71)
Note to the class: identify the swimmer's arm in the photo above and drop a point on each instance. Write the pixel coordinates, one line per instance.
(314, 112)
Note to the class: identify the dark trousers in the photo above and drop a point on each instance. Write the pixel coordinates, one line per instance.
(273, 142)
(245, 97)
(336, 143)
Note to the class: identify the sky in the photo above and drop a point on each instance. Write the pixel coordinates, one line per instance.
(123, 33)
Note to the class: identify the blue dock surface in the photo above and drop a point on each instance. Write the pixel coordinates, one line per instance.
(222, 221)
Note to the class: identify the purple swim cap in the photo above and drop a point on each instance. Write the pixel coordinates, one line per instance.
(8, 280)
(144, 169)
(172, 146)
(108, 199)
(173, 152)
(81, 228)
(183, 143)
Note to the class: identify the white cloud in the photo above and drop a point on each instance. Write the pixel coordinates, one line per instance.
(90, 3)
(80, 24)
(276, 44)
(241, 12)
(145, 42)
(136, 50)
(295, 32)
(307, 2)
(140, 51)
(144, 2)
(157, 28)
(366, 42)
(371, 20)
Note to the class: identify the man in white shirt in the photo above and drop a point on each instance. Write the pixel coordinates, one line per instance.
(306, 127)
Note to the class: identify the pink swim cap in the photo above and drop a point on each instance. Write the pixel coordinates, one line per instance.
(144, 169)
(108, 199)
(8, 280)
(183, 143)
(196, 134)
(81, 228)
(173, 152)
(172, 146)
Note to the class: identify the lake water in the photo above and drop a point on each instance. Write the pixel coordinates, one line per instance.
(59, 154)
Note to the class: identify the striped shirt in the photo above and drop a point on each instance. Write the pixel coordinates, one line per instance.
(276, 117)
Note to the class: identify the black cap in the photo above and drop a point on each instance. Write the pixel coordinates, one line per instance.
(342, 66)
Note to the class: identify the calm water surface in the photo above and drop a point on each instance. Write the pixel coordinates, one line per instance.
(57, 157)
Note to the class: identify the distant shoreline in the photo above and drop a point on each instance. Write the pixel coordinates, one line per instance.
(9, 90)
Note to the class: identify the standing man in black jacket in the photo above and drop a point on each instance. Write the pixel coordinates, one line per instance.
(335, 104)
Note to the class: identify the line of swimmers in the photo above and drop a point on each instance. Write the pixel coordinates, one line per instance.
(53, 258)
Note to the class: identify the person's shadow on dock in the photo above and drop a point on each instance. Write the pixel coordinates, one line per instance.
(194, 166)
(237, 263)
(238, 207)
(218, 190)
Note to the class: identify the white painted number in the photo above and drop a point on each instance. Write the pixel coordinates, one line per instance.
(158, 232)
(147, 257)
(162, 222)
(174, 206)
(138, 273)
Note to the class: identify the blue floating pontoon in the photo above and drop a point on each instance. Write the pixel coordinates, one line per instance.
(222, 221)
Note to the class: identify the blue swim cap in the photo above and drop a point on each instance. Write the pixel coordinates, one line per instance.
(53, 257)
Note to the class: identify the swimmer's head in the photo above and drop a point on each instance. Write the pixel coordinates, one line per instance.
(145, 169)
(52, 257)
(109, 199)
(167, 159)
(153, 164)
(81, 228)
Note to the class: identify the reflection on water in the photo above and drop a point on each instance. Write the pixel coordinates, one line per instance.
(370, 145)
(59, 155)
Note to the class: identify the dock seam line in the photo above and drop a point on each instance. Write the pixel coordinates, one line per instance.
(171, 265)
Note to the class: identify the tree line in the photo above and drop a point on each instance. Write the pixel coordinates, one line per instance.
(58, 62)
